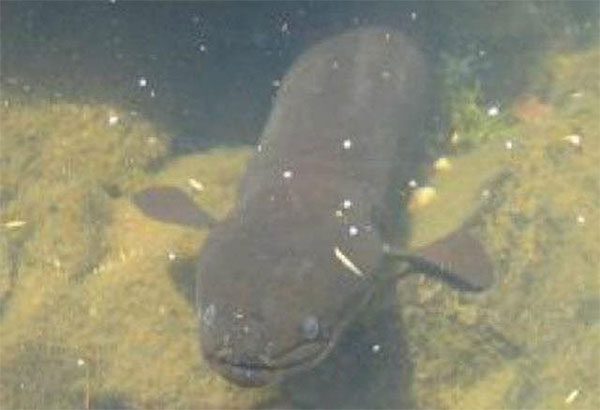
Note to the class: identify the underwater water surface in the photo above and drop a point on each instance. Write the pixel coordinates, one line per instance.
(100, 100)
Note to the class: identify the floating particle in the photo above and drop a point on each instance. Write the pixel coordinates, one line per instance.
(171, 255)
(388, 36)
(152, 93)
(259, 148)
(276, 83)
(580, 219)
(572, 396)
(412, 183)
(376, 348)
(347, 204)
(421, 197)
(413, 15)
(508, 145)
(142, 82)
(352, 230)
(15, 224)
(285, 27)
(202, 48)
(481, 53)
(386, 75)
(577, 94)
(347, 144)
(113, 119)
(454, 138)
(442, 164)
(347, 262)
(196, 185)
(335, 65)
(493, 111)
(80, 362)
(485, 193)
(339, 213)
(573, 139)
(287, 174)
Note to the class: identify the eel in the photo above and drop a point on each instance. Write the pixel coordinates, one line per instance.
(321, 210)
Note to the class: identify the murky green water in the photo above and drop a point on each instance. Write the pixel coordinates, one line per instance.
(97, 301)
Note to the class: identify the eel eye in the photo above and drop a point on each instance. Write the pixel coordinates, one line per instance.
(310, 328)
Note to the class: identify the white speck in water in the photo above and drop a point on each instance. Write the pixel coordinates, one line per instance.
(485, 193)
(573, 139)
(287, 174)
(285, 27)
(259, 148)
(352, 230)
(142, 82)
(113, 119)
(347, 144)
(339, 213)
(15, 224)
(238, 315)
(80, 362)
(508, 145)
(276, 83)
(454, 138)
(376, 348)
(572, 396)
(202, 48)
(577, 94)
(335, 65)
(442, 164)
(412, 183)
(196, 185)
(208, 317)
(152, 93)
(493, 111)
(388, 36)
(171, 256)
(580, 219)
(347, 204)
(162, 310)
(482, 53)
(152, 140)
(22, 386)
(347, 262)
(413, 15)
(386, 75)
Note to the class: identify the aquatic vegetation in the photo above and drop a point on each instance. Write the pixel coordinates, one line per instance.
(91, 316)
(531, 341)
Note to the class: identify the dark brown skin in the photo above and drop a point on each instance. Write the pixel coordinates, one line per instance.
(284, 274)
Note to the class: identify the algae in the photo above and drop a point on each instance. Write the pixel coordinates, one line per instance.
(532, 340)
(92, 316)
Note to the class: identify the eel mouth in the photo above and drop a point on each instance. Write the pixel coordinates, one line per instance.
(260, 371)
